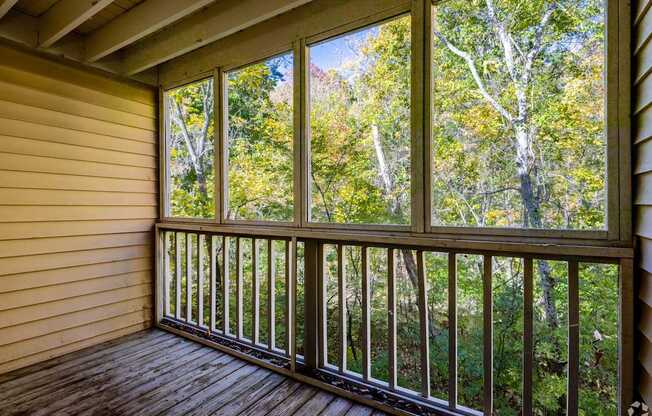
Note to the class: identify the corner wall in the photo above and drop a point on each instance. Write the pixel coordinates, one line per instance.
(642, 166)
(78, 200)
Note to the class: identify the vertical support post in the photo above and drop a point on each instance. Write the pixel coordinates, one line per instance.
(321, 300)
(391, 317)
(341, 293)
(291, 329)
(528, 331)
(226, 290)
(366, 318)
(188, 278)
(572, 402)
(626, 335)
(238, 287)
(161, 293)
(213, 265)
(423, 323)
(271, 296)
(289, 308)
(166, 271)
(311, 304)
(488, 336)
(177, 267)
(200, 281)
(255, 293)
(452, 330)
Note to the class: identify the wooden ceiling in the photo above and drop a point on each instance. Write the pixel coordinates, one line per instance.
(129, 37)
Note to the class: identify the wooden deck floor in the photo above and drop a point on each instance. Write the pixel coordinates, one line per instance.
(158, 373)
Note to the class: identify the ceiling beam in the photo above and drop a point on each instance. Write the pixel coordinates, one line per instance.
(5, 5)
(135, 24)
(215, 22)
(21, 29)
(64, 17)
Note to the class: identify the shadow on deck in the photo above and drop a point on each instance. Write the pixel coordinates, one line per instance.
(158, 373)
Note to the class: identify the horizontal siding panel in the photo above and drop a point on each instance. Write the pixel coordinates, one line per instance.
(58, 213)
(643, 221)
(643, 189)
(34, 180)
(75, 75)
(643, 63)
(645, 321)
(36, 312)
(645, 289)
(32, 147)
(11, 196)
(43, 164)
(645, 248)
(643, 96)
(19, 299)
(15, 265)
(13, 231)
(29, 79)
(23, 281)
(58, 339)
(642, 32)
(71, 122)
(74, 346)
(40, 99)
(643, 157)
(642, 6)
(30, 247)
(19, 333)
(643, 126)
(645, 354)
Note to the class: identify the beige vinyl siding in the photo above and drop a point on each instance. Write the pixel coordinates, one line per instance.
(78, 200)
(642, 167)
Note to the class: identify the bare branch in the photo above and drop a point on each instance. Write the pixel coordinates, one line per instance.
(538, 42)
(476, 76)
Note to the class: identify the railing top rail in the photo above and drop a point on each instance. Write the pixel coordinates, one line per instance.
(589, 253)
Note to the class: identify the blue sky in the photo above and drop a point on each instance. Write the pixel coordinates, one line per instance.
(335, 53)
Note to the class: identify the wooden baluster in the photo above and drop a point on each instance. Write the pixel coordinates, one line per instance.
(226, 283)
(288, 297)
(391, 317)
(255, 293)
(238, 287)
(291, 258)
(423, 323)
(200, 281)
(166, 271)
(366, 318)
(528, 331)
(188, 278)
(321, 310)
(452, 330)
(177, 266)
(341, 291)
(572, 402)
(487, 313)
(271, 296)
(213, 266)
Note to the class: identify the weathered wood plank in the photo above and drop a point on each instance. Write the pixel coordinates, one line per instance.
(271, 400)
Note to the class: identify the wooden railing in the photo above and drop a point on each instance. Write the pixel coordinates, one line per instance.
(193, 261)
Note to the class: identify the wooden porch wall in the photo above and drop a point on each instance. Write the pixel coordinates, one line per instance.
(78, 200)
(642, 136)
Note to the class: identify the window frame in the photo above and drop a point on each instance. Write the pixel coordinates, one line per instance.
(221, 73)
(415, 111)
(618, 230)
(164, 164)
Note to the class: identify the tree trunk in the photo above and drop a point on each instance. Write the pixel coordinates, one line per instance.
(532, 218)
